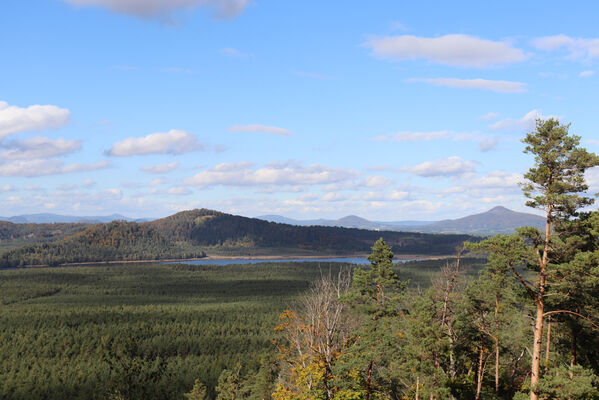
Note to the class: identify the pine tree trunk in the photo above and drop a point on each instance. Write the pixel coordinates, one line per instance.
(548, 348)
(540, 301)
(417, 387)
(479, 378)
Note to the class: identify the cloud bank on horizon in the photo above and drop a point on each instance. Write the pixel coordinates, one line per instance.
(278, 108)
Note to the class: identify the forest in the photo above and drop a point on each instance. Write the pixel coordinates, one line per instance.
(508, 317)
(195, 233)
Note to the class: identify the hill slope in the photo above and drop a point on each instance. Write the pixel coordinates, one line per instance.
(250, 236)
(116, 241)
(189, 234)
(496, 220)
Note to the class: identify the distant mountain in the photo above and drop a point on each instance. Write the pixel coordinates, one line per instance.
(46, 218)
(191, 233)
(350, 221)
(497, 220)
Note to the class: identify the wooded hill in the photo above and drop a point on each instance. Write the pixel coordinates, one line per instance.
(15, 235)
(193, 233)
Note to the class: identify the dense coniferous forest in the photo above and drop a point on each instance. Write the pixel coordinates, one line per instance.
(192, 234)
(148, 330)
(115, 241)
(16, 235)
(522, 322)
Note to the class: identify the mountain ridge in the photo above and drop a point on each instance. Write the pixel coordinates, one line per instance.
(195, 233)
(498, 219)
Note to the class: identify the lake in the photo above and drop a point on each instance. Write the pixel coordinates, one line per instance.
(357, 260)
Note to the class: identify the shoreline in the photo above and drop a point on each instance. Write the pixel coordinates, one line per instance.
(415, 257)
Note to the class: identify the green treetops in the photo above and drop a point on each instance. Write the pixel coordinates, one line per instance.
(558, 175)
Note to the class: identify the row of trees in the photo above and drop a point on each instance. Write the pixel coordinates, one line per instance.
(526, 327)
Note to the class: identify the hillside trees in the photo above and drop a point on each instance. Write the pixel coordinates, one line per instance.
(375, 294)
(313, 338)
(554, 184)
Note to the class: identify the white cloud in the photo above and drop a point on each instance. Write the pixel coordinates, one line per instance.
(161, 168)
(450, 166)
(88, 183)
(173, 142)
(332, 196)
(409, 136)
(498, 179)
(527, 122)
(489, 116)
(39, 147)
(29, 168)
(455, 50)
(7, 188)
(485, 84)
(175, 190)
(273, 130)
(395, 195)
(586, 74)
(577, 47)
(377, 181)
(487, 144)
(76, 167)
(158, 181)
(157, 8)
(242, 174)
(15, 119)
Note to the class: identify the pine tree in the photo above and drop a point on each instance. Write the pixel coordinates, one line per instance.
(554, 184)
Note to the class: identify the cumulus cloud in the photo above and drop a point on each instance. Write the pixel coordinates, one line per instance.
(409, 136)
(273, 130)
(586, 74)
(88, 183)
(175, 191)
(332, 196)
(487, 144)
(7, 188)
(244, 174)
(15, 119)
(160, 8)
(485, 84)
(160, 168)
(454, 50)
(38, 147)
(527, 122)
(377, 181)
(577, 47)
(172, 142)
(39, 167)
(498, 179)
(450, 166)
(489, 116)
(395, 195)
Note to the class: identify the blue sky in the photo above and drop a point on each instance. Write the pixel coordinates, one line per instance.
(384, 109)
